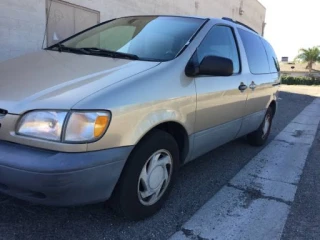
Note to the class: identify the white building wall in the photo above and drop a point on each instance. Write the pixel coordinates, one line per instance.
(22, 22)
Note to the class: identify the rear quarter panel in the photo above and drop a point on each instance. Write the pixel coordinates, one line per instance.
(260, 98)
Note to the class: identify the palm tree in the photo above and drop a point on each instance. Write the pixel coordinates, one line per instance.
(309, 56)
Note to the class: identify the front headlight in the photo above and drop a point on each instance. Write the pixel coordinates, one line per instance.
(63, 126)
(42, 124)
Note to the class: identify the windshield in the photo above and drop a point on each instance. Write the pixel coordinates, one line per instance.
(155, 38)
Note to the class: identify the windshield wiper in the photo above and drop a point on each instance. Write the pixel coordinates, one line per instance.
(113, 54)
(95, 51)
(62, 48)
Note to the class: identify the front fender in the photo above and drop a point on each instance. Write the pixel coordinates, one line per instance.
(130, 124)
(158, 117)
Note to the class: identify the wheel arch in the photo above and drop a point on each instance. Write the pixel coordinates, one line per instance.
(178, 132)
(273, 106)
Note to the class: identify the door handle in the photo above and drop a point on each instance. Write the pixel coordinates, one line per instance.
(252, 86)
(242, 87)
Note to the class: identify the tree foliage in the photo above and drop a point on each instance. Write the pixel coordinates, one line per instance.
(309, 56)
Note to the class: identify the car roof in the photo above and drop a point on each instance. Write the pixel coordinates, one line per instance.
(164, 15)
(223, 20)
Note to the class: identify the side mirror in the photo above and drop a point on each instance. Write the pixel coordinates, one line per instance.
(216, 66)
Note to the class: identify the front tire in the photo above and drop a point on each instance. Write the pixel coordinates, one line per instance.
(260, 136)
(148, 176)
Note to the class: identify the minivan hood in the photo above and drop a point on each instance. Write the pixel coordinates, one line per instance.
(58, 80)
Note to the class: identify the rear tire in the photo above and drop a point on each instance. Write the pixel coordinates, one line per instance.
(260, 136)
(150, 170)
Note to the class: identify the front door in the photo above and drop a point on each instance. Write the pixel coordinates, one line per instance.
(220, 103)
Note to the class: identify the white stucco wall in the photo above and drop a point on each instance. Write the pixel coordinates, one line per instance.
(22, 22)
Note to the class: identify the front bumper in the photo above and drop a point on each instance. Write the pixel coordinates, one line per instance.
(59, 179)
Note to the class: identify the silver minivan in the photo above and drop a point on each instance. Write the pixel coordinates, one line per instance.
(113, 112)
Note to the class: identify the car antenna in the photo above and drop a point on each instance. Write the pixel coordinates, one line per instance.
(48, 11)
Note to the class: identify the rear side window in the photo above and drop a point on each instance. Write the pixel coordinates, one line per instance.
(256, 53)
(272, 57)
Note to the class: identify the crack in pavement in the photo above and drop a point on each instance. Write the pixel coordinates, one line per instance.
(190, 234)
(253, 194)
(284, 141)
(297, 133)
(305, 123)
(256, 176)
(288, 131)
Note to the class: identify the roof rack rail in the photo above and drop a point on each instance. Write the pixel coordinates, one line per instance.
(239, 23)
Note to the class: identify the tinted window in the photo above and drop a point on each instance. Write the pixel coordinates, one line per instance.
(150, 38)
(256, 53)
(220, 42)
(273, 60)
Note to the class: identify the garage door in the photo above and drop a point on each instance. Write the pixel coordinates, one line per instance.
(65, 19)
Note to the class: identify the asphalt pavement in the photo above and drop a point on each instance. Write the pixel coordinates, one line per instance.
(198, 182)
(304, 219)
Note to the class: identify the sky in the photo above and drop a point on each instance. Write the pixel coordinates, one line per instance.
(292, 25)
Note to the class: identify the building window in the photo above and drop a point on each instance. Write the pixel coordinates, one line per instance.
(65, 19)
